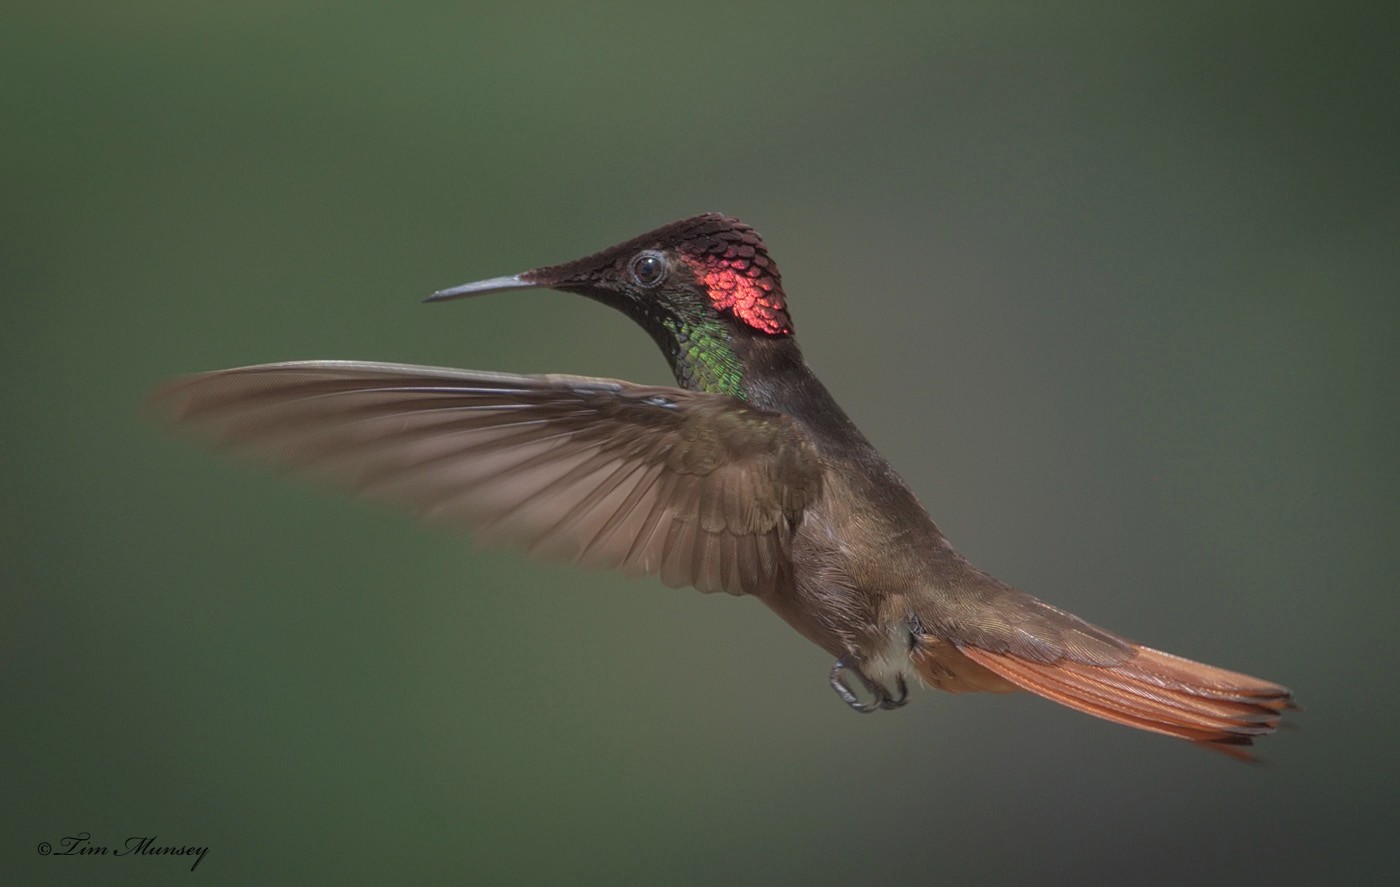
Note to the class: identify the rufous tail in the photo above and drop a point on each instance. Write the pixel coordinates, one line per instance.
(1218, 709)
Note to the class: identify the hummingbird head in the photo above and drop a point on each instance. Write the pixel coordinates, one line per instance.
(706, 267)
(704, 288)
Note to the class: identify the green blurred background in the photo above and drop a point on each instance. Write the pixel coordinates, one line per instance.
(1115, 289)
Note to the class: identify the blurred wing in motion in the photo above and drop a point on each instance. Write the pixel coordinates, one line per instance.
(698, 489)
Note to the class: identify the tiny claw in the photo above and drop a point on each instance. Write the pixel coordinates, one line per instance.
(844, 691)
(889, 703)
(882, 700)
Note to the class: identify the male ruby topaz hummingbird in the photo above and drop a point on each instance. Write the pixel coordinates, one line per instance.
(747, 478)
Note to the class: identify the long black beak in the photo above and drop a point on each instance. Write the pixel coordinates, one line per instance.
(482, 287)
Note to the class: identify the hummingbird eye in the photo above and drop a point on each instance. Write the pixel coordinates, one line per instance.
(648, 268)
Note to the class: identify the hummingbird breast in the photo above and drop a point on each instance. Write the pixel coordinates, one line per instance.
(860, 558)
(866, 557)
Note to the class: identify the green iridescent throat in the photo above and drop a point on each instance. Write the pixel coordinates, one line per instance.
(702, 356)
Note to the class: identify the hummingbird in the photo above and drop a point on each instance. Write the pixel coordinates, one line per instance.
(745, 478)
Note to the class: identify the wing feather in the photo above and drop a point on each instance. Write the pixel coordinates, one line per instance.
(699, 489)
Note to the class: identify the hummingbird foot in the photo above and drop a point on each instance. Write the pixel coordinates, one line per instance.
(883, 698)
(893, 702)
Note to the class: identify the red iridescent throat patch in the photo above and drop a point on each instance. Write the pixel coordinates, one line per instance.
(743, 280)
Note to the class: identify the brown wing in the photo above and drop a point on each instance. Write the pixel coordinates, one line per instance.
(699, 489)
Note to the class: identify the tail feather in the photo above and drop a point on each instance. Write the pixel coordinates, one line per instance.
(1151, 690)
